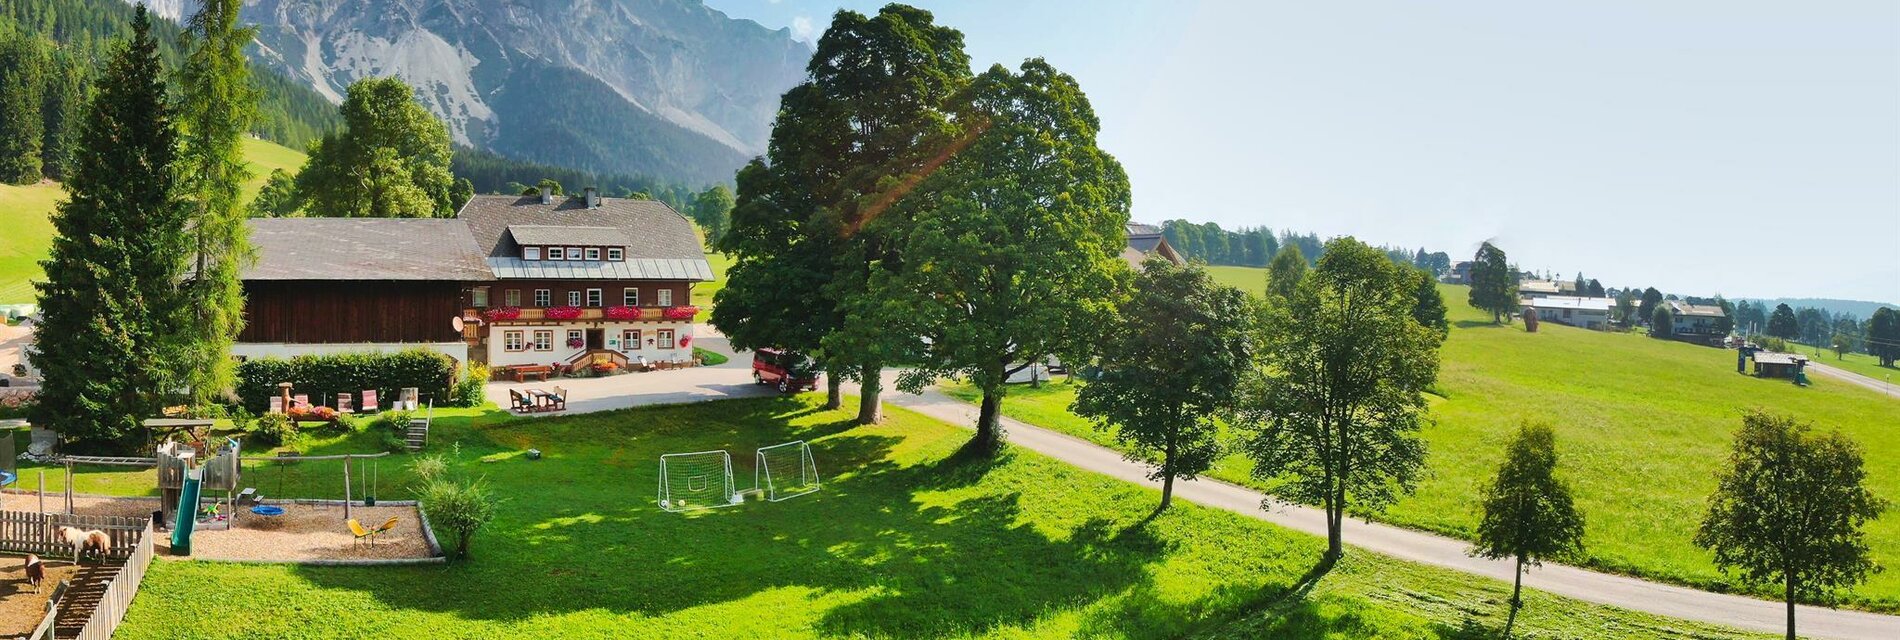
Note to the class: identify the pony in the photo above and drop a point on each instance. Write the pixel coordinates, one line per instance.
(83, 540)
(35, 571)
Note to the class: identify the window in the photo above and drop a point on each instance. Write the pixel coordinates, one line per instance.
(556, 253)
(531, 253)
(511, 340)
(666, 297)
(593, 253)
(574, 298)
(573, 336)
(573, 253)
(478, 296)
(593, 297)
(630, 340)
(543, 298)
(543, 340)
(666, 338)
(513, 297)
(615, 254)
(630, 296)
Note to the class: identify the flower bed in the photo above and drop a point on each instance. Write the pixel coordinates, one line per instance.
(680, 313)
(562, 313)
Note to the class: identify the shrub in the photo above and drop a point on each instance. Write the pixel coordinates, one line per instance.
(461, 508)
(15, 403)
(274, 430)
(393, 426)
(429, 468)
(327, 375)
(472, 389)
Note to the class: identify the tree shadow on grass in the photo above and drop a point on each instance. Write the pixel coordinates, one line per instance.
(929, 549)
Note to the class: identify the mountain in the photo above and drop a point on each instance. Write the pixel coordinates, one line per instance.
(1861, 309)
(667, 88)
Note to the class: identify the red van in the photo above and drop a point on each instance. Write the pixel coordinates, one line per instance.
(790, 370)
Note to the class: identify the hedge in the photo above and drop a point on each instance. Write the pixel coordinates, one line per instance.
(323, 376)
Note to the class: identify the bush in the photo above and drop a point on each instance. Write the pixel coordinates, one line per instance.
(328, 375)
(274, 430)
(393, 426)
(15, 403)
(472, 389)
(461, 508)
(429, 468)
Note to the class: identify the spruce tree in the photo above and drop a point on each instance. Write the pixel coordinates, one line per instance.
(22, 83)
(216, 109)
(110, 291)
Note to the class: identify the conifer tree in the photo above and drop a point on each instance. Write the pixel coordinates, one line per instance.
(111, 281)
(216, 109)
(22, 83)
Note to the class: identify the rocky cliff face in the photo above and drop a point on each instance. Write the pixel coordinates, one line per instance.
(669, 88)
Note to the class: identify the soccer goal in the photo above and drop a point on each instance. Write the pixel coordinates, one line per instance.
(785, 471)
(698, 480)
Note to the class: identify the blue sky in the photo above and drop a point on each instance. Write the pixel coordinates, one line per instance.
(1743, 148)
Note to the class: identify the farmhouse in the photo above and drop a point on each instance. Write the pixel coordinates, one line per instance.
(1694, 319)
(538, 279)
(1589, 313)
(1145, 240)
(1538, 288)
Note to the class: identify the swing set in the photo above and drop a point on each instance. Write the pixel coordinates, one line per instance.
(367, 483)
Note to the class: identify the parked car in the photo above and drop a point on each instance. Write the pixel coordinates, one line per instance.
(789, 370)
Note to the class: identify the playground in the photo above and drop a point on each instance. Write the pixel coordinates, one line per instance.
(304, 533)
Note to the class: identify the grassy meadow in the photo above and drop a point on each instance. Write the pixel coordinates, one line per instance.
(905, 540)
(1642, 426)
(1860, 363)
(25, 213)
(703, 292)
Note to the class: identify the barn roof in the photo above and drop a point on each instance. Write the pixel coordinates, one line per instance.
(364, 249)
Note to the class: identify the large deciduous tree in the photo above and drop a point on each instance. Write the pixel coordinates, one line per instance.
(712, 210)
(1428, 305)
(1883, 335)
(1528, 512)
(1011, 247)
(110, 298)
(1337, 398)
(1789, 509)
(1646, 308)
(857, 134)
(1284, 273)
(1493, 283)
(1183, 344)
(392, 159)
(216, 107)
(1782, 323)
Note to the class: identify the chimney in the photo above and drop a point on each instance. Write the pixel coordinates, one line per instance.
(593, 197)
(547, 195)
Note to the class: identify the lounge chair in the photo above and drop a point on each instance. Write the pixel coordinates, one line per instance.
(276, 404)
(361, 534)
(344, 404)
(300, 401)
(369, 401)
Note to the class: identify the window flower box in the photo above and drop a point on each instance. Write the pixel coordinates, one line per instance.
(622, 313)
(562, 313)
(680, 313)
(502, 313)
(575, 343)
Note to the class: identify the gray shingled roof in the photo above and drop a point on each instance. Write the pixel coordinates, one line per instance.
(1144, 243)
(637, 269)
(652, 229)
(552, 235)
(364, 249)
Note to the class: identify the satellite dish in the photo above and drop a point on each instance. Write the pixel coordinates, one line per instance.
(457, 323)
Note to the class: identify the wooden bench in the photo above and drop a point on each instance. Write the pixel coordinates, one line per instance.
(522, 372)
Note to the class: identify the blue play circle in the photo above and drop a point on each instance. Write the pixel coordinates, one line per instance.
(7, 478)
(269, 511)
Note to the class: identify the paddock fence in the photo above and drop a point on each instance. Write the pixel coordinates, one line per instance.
(38, 533)
(45, 629)
(110, 609)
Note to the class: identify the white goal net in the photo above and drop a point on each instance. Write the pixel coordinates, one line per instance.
(699, 480)
(785, 471)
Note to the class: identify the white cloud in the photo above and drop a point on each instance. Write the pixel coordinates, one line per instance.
(802, 28)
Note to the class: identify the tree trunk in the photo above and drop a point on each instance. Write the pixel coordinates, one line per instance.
(1790, 596)
(834, 391)
(1517, 595)
(869, 409)
(988, 428)
(1167, 477)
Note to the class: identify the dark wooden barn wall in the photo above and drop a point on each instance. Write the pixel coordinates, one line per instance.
(350, 311)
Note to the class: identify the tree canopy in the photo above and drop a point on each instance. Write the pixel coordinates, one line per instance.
(1883, 335)
(216, 107)
(1285, 272)
(1528, 512)
(1493, 282)
(391, 159)
(1783, 324)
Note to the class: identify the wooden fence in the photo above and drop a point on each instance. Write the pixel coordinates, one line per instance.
(119, 594)
(45, 630)
(38, 533)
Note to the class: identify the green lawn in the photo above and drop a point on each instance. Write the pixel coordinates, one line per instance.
(906, 540)
(703, 292)
(1642, 423)
(1249, 279)
(25, 214)
(1860, 363)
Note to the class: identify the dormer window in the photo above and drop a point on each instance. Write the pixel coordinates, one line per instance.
(593, 253)
(531, 253)
(556, 253)
(616, 254)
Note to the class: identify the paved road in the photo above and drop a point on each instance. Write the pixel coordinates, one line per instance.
(1877, 386)
(1406, 544)
(697, 384)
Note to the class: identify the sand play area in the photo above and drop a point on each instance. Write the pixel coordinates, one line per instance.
(304, 533)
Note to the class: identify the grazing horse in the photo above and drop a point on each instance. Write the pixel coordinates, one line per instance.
(83, 540)
(35, 571)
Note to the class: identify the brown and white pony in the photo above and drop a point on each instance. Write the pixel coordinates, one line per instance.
(35, 571)
(83, 540)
